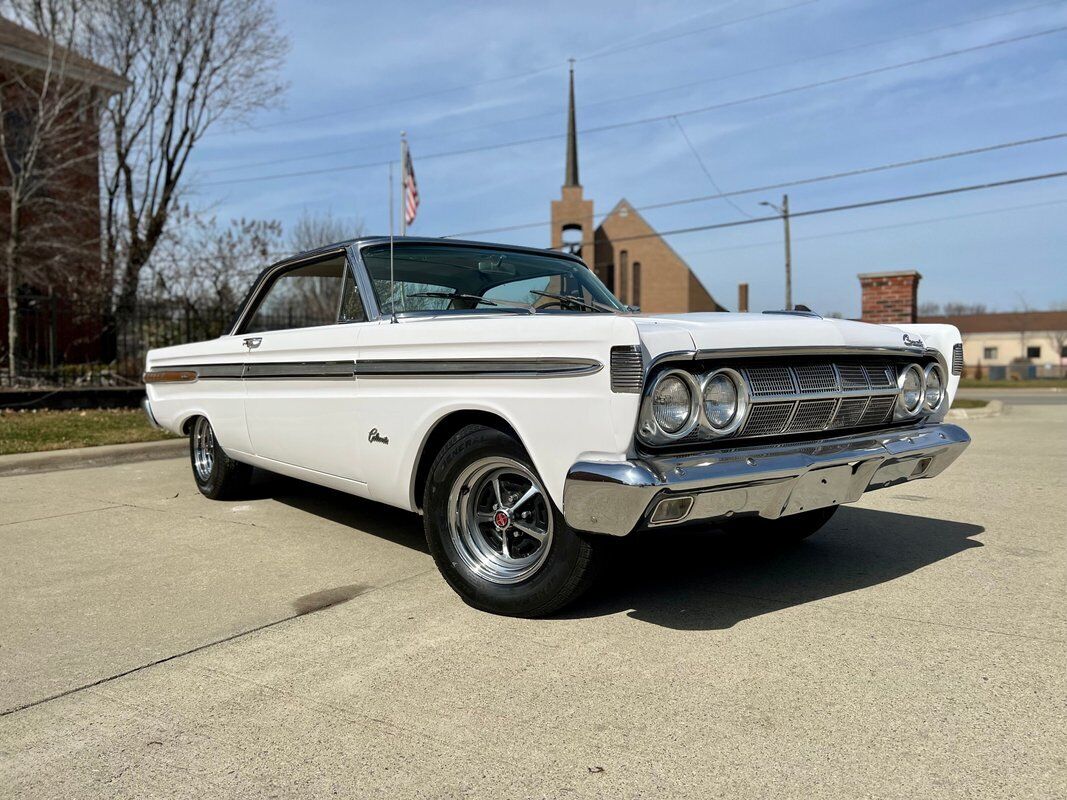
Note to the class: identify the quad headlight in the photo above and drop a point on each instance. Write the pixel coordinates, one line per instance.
(677, 401)
(724, 401)
(671, 408)
(910, 383)
(672, 401)
(934, 387)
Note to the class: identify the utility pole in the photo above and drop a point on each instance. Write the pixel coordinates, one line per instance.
(784, 211)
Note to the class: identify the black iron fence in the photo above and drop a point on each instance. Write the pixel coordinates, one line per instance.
(59, 346)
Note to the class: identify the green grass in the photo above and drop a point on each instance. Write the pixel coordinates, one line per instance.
(964, 402)
(32, 431)
(985, 383)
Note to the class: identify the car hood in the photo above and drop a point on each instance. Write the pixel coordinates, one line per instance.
(729, 331)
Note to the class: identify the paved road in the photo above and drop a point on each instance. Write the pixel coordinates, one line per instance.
(1019, 397)
(300, 643)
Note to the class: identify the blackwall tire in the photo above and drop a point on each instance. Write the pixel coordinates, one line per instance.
(217, 475)
(495, 533)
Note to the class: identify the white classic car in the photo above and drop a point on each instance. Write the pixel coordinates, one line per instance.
(507, 396)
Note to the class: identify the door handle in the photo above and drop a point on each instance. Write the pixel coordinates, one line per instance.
(253, 342)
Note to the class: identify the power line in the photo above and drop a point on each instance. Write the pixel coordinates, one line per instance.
(875, 228)
(504, 78)
(872, 229)
(660, 117)
(848, 206)
(789, 184)
(693, 31)
(707, 172)
(624, 98)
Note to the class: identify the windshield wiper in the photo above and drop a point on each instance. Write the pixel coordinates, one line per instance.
(474, 298)
(566, 299)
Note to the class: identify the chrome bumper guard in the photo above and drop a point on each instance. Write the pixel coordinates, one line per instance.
(772, 481)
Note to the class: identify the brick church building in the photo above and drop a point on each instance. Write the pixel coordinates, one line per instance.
(624, 251)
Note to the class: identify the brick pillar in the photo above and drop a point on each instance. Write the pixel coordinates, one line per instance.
(890, 297)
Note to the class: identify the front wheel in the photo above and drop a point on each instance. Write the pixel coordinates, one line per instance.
(217, 475)
(495, 533)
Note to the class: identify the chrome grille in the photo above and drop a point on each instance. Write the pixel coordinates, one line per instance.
(812, 415)
(808, 395)
(957, 359)
(878, 410)
(769, 380)
(880, 376)
(853, 376)
(766, 419)
(815, 378)
(627, 369)
(850, 412)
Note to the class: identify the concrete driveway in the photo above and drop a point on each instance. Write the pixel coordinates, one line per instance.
(301, 643)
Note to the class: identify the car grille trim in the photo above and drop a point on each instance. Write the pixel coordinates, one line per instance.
(814, 396)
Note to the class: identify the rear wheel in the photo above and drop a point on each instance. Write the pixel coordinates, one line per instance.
(495, 533)
(216, 474)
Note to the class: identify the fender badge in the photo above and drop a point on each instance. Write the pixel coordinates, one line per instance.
(374, 436)
(912, 342)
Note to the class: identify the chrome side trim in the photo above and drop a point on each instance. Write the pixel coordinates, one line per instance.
(307, 370)
(771, 481)
(477, 368)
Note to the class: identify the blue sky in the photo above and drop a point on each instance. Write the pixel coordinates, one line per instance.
(354, 68)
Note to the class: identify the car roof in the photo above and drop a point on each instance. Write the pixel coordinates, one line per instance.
(364, 241)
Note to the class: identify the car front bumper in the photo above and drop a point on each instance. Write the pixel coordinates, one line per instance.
(772, 481)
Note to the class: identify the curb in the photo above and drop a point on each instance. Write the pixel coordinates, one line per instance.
(993, 408)
(83, 457)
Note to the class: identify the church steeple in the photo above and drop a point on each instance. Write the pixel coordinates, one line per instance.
(571, 178)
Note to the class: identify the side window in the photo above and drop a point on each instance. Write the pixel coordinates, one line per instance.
(989, 353)
(1033, 351)
(352, 309)
(302, 297)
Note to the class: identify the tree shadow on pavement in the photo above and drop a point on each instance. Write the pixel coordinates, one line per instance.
(707, 579)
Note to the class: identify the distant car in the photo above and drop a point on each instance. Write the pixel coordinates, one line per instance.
(507, 396)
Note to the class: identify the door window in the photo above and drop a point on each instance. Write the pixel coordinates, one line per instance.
(302, 297)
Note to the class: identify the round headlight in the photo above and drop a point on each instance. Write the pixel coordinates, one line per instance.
(720, 400)
(672, 403)
(724, 400)
(935, 387)
(911, 388)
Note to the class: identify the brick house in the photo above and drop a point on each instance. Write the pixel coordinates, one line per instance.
(625, 252)
(1024, 344)
(63, 248)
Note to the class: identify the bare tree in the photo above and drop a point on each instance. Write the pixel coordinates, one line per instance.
(208, 266)
(48, 152)
(318, 229)
(191, 64)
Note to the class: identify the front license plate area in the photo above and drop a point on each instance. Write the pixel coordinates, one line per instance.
(820, 488)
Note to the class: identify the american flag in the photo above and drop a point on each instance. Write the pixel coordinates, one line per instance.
(411, 189)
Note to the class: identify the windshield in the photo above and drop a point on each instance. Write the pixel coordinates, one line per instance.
(441, 277)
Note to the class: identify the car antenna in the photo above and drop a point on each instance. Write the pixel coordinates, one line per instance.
(392, 282)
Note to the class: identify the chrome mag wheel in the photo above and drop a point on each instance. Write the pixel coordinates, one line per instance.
(500, 520)
(203, 449)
